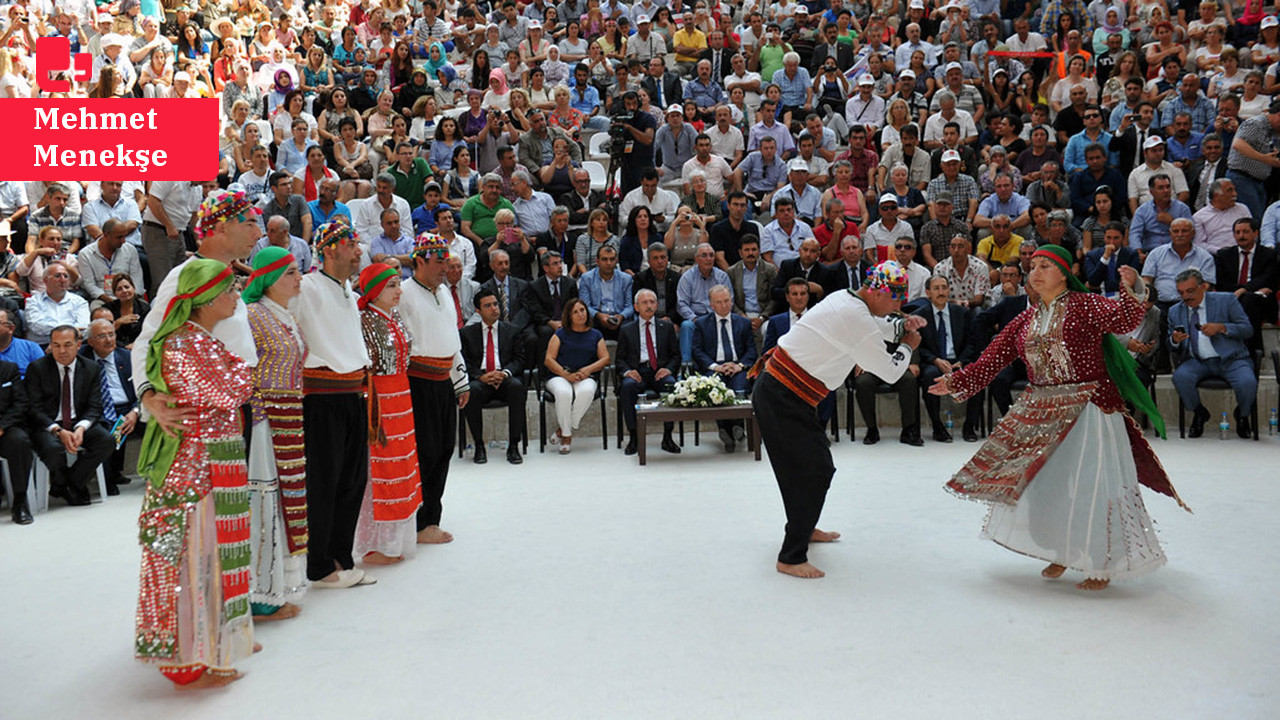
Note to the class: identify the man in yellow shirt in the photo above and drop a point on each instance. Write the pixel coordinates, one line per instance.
(1001, 246)
(687, 43)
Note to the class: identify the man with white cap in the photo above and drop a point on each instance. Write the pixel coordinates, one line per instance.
(917, 105)
(1154, 164)
(968, 98)
(645, 44)
(807, 198)
(866, 108)
(113, 54)
(880, 237)
(951, 53)
(674, 142)
(964, 191)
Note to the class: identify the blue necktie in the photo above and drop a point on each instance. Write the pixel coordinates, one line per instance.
(942, 335)
(108, 405)
(1113, 273)
(725, 342)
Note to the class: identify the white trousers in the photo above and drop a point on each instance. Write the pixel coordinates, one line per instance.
(572, 401)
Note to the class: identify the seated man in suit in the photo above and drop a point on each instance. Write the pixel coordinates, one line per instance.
(805, 266)
(607, 293)
(117, 388)
(557, 236)
(847, 273)
(65, 395)
(1250, 272)
(662, 280)
(494, 352)
(946, 341)
(509, 289)
(752, 281)
(462, 289)
(1102, 264)
(987, 324)
(15, 445)
(648, 358)
(545, 299)
(1210, 329)
(722, 344)
(780, 324)
(580, 201)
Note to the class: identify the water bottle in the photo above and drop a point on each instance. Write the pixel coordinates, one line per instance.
(1223, 427)
(950, 423)
(1271, 424)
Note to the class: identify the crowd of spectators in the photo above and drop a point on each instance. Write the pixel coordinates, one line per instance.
(694, 150)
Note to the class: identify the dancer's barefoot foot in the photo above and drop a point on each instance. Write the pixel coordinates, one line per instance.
(377, 558)
(286, 611)
(823, 536)
(1092, 584)
(1053, 572)
(803, 570)
(210, 680)
(433, 535)
(257, 648)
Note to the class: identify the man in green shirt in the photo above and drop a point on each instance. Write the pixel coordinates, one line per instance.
(411, 173)
(478, 212)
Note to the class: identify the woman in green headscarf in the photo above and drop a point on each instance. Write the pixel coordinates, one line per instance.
(277, 457)
(1068, 432)
(193, 608)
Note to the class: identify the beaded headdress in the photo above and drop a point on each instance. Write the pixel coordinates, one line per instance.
(221, 206)
(888, 277)
(431, 244)
(332, 233)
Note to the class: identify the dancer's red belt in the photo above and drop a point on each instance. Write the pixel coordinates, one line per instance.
(784, 368)
(430, 368)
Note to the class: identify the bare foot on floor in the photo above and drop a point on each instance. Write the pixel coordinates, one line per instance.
(433, 535)
(803, 570)
(1053, 572)
(823, 536)
(377, 558)
(211, 680)
(286, 611)
(1093, 584)
(257, 648)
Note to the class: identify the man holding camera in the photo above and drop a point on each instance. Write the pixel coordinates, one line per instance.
(632, 136)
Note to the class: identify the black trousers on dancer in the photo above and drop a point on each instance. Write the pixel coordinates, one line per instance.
(801, 461)
(435, 424)
(336, 429)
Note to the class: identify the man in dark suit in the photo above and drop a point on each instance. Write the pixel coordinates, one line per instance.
(719, 56)
(1250, 272)
(1102, 264)
(1128, 139)
(557, 236)
(806, 266)
(648, 358)
(753, 300)
(580, 201)
(842, 52)
(117, 382)
(15, 445)
(494, 352)
(545, 299)
(662, 280)
(509, 289)
(946, 342)
(1210, 166)
(1210, 330)
(664, 87)
(722, 344)
(851, 268)
(65, 395)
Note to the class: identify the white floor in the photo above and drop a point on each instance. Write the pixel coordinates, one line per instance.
(587, 587)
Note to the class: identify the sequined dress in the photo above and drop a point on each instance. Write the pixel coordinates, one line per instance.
(388, 514)
(1068, 432)
(277, 459)
(193, 605)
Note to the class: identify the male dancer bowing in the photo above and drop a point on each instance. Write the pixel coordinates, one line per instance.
(845, 329)
(335, 417)
(437, 376)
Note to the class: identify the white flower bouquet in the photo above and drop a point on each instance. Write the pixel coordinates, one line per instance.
(700, 391)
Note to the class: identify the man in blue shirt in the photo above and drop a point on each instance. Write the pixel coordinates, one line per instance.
(1073, 160)
(393, 244)
(795, 84)
(1152, 221)
(14, 349)
(584, 98)
(1183, 145)
(705, 91)
(1004, 201)
(761, 172)
(326, 205)
(607, 293)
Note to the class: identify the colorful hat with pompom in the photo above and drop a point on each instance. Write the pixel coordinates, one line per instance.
(431, 244)
(222, 206)
(888, 277)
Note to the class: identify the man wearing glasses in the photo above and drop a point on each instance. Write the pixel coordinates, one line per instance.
(1073, 158)
(117, 387)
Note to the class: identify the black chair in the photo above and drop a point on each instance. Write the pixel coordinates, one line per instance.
(527, 376)
(850, 406)
(545, 396)
(1213, 382)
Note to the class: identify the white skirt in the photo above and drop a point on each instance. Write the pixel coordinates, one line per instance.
(278, 577)
(393, 539)
(1083, 510)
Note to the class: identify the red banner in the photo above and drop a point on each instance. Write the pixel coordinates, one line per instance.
(110, 138)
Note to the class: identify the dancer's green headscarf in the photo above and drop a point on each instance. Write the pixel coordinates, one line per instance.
(268, 265)
(199, 283)
(1120, 364)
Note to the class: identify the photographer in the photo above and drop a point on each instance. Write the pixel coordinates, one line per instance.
(631, 137)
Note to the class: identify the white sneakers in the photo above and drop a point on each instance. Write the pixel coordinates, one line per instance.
(345, 579)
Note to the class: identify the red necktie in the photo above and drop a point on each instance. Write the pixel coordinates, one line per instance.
(457, 304)
(648, 344)
(1244, 268)
(66, 397)
(489, 362)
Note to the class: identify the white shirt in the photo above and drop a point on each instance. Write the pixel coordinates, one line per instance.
(234, 332)
(717, 171)
(1139, 175)
(933, 126)
(725, 144)
(179, 200)
(841, 332)
(433, 326)
(71, 378)
(366, 217)
(664, 202)
(462, 247)
(330, 321)
(724, 351)
(44, 314)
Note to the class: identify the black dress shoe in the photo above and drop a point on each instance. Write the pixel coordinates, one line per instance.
(112, 489)
(1243, 426)
(513, 455)
(941, 435)
(121, 480)
(1198, 419)
(669, 445)
(911, 436)
(970, 435)
(21, 514)
(481, 457)
(61, 492)
(871, 437)
(630, 449)
(77, 496)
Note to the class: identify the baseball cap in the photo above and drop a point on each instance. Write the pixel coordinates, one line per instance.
(802, 10)
(954, 66)
(889, 199)
(866, 79)
(535, 24)
(642, 20)
(1269, 21)
(797, 165)
(1153, 141)
(950, 156)
(944, 196)
(909, 74)
(675, 109)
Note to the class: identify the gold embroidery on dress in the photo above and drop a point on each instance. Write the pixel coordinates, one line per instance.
(1048, 360)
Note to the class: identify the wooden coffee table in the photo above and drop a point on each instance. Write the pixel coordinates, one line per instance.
(650, 412)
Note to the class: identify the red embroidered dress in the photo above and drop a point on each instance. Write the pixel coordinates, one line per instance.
(193, 607)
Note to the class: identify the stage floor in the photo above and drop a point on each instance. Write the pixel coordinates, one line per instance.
(587, 587)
